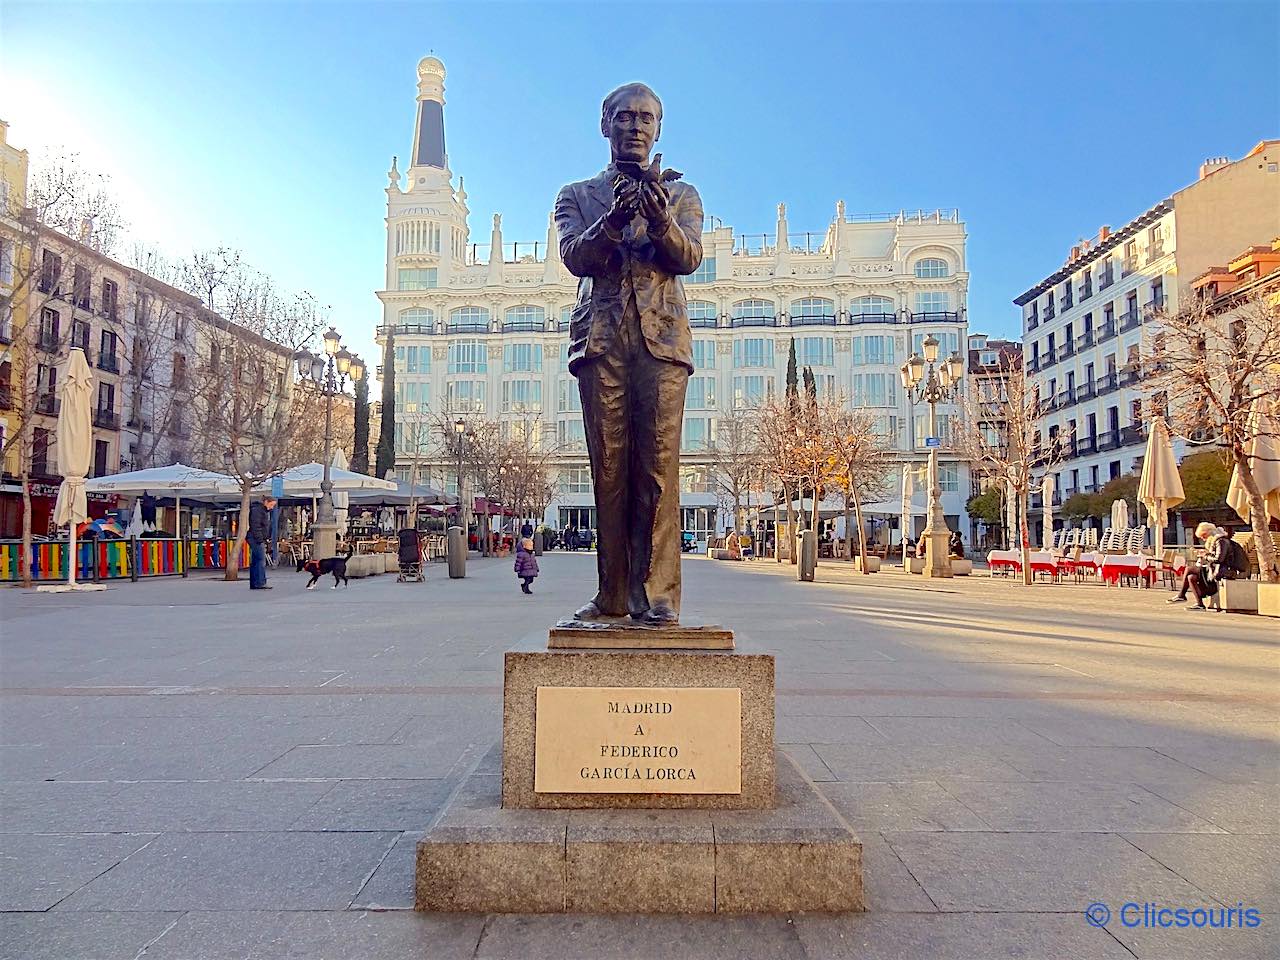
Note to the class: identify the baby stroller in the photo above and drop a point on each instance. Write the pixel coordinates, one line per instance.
(409, 553)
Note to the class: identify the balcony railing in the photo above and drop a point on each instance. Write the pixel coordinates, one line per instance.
(753, 322)
(1063, 399)
(6, 337)
(1086, 290)
(1068, 349)
(814, 320)
(106, 419)
(1130, 375)
(142, 426)
(1106, 384)
(1153, 306)
(419, 329)
(1049, 311)
(109, 362)
(1106, 331)
(179, 430)
(873, 318)
(1128, 266)
(1067, 301)
(1134, 433)
(1086, 446)
(1129, 320)
(472, 326)
(1106, 279)
(523, 326)
(704, 321)
(1155, 252)
(1084, 392)
(1109, 440)
(48, 404)
(936, 316)
(1033, 365)
(1085, 340)
(1049, 359)
(1033, 322)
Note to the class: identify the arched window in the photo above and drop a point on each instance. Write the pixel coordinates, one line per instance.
(753, 313)
(416, 320)
(813, 311)
(702, 313)
(525, 317)
(566, 316)
(930, 268)
(871, 310)
(475, 319)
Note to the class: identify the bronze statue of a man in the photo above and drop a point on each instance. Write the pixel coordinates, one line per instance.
(630, 235)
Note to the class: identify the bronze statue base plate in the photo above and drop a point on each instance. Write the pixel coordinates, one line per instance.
(624, 634)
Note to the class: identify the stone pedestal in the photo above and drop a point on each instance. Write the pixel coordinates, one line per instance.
(456, 551)
(324, 539)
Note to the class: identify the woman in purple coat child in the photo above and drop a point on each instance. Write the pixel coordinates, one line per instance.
(526, 563)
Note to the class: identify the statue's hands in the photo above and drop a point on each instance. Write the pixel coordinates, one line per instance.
(654, 205)
(626, 203)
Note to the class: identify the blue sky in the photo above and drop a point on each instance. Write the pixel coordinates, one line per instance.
(270, 127)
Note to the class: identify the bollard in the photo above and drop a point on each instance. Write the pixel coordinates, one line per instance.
(808, 554)
(537, 543)
(457, 553)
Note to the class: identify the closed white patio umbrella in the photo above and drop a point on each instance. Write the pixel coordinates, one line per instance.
(340, 497)
(1046, 508)
(908, 491)
(75, 454)
(1120, 515)
(1264, 461)
(1011, 514)
(1160, 486)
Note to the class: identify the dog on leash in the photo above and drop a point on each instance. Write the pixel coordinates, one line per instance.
(337, 566)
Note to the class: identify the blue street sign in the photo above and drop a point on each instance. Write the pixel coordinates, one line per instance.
(277, 487)
(932, 442)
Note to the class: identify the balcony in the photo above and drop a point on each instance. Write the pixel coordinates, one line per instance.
(82, 303)
(1067, 350)
(753, 322)
(48, 404)
(109, 362)
(1130, 375)
(411, 329)
(1063, 400)
(1084, 341)
(6, 335)
(873, 318)
(179, 430)
(1107, 331)
(937, 316)
(1084, 392)
(1086, 291)
(1128, 266)
(1067, 301)
(1033, 365)
(1155, 252)
(1086, 446)
(814, 320)
(1106, 384)
(470, 326)
(106, 419)
(1049, 359)
(1107, 278)
(523, 326)
(1129, 320)
(136, 423)
(704, 322)
(1132, 434)
(1108, 441)
(1033, 321)
(1049, 311)
(1153, 307)
(108, 312)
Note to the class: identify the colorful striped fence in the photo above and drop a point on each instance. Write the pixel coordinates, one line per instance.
(98, 560)
(212, 554)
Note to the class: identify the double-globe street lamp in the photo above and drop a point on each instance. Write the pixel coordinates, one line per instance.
(927, 380)
(329, 372)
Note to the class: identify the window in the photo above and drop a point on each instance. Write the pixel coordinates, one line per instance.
(417, 359)
(571, 434)
(522, 396)
(577, 480)
(525, 317)
(6, 261)
(465, 396)
(872, 350)
(179, 370)
(817, 352)
(564, 356)
(469, 319)
(106, 397)
(421, 318)
(705, 273)
(522, 358)
(949, 477)
(987, 358)
(80, 334)
(870, 307)
(468, 356)
(875, 390)
(813, 307)
(751, 391)
(752, 310)
(110, 294)
(931, 268)
(569, 397)
(694, 479)
(948, 342)
(922, 429)
(699, 432)
(80, 287)
(704, 354)
(702, 313)
(417, 278)
(101, 451)
(700, 394)
(566, 316)
(40, 441)
(753, 352)
(49, 321)
(933, 301)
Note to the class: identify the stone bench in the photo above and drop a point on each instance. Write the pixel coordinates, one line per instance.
(365, 565)
(1237, 596)
(961, 567)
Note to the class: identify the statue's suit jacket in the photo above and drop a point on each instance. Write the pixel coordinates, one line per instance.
(612, 270)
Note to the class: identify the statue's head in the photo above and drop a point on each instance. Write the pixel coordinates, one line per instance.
(631, 120)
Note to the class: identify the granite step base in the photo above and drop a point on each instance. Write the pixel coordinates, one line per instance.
(798, 857)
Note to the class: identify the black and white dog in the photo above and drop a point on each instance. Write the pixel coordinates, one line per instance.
(318, 568)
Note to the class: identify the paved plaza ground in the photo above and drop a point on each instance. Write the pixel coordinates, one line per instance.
(190, 770)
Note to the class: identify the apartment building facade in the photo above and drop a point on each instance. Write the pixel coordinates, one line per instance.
(482, 330)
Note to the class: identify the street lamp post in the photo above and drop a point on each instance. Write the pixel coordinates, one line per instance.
(460, 436)
(329, 371)
(931, 382)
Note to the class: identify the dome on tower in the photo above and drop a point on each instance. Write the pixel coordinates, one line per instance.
(430, 66)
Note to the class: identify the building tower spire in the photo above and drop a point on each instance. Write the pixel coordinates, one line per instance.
(428, 135)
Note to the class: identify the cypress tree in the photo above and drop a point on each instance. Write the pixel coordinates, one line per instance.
(386, 454)
(360, 457)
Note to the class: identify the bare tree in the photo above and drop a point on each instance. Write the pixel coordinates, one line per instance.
(733, 461)
(999, 432)
(1215, 366)
(859, 463)
(778, 428)
(244, 418)
(56, 241)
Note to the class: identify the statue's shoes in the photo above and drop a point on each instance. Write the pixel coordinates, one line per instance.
(659, 616)
(588, 611)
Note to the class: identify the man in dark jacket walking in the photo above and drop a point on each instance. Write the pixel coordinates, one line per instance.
(257, 537)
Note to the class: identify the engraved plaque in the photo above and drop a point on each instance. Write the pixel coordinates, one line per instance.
(638, 740)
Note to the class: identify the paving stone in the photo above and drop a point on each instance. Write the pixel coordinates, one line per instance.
(240, 871)
(1234, 807)
(37, 871)
(958, 731)
(370, 762)
(327, 935)
(1230, 869)
(375, 805)
(1154, 943)
(620, 937)
(1074, 807)
(391, 886)
(209, 805)
(914, 763)
(956, 936)
(1119, 764)
(918, 805)
(1034, 871)
(845, 730)
(60, 806)
(888, 884)
(70, 935)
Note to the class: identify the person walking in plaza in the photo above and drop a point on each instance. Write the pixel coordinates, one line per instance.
(526, 565)
(259, 534)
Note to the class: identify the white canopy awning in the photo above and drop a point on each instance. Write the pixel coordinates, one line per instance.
(177, 478)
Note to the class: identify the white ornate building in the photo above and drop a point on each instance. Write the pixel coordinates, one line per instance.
(483, 329)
